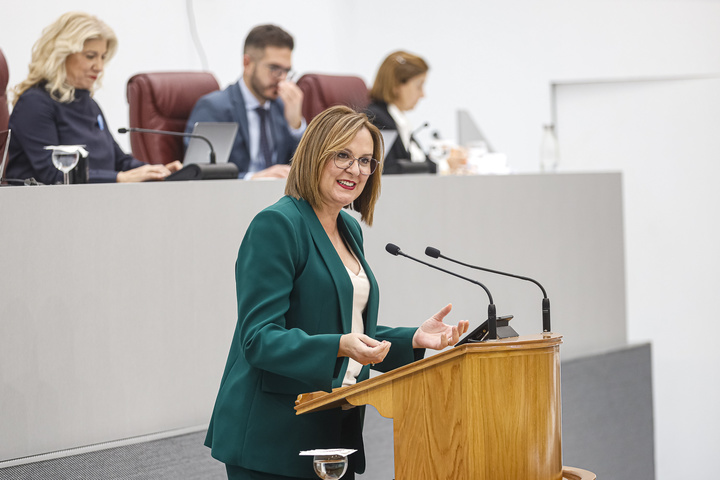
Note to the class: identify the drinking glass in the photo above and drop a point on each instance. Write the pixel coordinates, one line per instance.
(330, 467)
(65, 162)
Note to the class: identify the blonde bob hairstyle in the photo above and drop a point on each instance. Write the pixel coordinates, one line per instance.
(64, 37)
(329, 132)
(395, 70)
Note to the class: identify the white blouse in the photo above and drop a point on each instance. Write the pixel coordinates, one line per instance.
(361, 292)
(404, 130)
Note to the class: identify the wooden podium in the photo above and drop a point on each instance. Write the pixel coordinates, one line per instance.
(481, 411)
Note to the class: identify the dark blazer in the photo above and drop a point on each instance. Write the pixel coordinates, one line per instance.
(39, 120)
(294, 302)
(229, 106)
(393, 162)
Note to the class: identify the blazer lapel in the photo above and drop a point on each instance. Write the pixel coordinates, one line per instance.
(343, 285)
(398, 147)
(374, 297)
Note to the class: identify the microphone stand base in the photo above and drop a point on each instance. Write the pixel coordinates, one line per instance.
(205, 171)
(504, 330)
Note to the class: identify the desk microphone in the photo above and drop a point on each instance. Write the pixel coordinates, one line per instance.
(435, 253)
(419, 129)
(194, 171)
(175, 134)
(492, 319)
(414, 140)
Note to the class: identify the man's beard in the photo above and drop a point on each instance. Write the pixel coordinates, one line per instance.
(260, 89)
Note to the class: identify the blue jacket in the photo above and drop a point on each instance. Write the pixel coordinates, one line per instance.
(295, 300)
(229, 106)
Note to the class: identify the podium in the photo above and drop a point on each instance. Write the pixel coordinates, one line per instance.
(481, 411)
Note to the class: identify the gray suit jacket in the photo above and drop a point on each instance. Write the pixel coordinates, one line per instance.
(229, 106)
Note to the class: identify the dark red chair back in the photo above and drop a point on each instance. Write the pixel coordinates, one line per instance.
(323, 91)
(163, 101)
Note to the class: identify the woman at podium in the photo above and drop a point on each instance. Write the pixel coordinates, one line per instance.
(54, 106)
(307, 310)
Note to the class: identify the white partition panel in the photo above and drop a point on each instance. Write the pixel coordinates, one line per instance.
(663, 136)
(118, 301)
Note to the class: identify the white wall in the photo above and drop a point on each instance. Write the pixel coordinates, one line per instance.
(496, 58)
(663, 135)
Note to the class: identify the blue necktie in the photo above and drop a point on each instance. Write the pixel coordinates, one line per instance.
(265, 152)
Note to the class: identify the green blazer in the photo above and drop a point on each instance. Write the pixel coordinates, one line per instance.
(294, 302)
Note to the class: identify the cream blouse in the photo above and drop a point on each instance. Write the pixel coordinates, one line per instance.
(361, 292)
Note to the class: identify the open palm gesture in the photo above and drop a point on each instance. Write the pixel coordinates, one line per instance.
(435, 334)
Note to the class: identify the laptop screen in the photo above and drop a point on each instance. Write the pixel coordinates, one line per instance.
(4, 149)
(469, 132)
(220, 134)
(389, 137)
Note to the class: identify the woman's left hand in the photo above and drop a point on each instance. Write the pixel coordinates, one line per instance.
(435, 334)
(145, 173)
(174, 166)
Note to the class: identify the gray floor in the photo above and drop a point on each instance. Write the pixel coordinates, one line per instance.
(182, 457)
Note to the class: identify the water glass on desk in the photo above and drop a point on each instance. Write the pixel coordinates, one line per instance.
(66, 157)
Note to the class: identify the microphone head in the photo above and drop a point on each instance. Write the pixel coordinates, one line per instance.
(432, 252)
(392, 249)
(123, 130)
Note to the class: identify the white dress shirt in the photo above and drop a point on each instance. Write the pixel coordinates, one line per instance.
(251, 104)
(404, 130)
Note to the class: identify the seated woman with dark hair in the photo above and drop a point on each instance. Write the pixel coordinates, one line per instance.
(54, 106)
(398, 87)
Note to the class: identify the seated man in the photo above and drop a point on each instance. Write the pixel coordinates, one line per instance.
(264, 103)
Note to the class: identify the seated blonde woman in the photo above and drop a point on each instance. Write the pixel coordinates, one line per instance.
(54, 106)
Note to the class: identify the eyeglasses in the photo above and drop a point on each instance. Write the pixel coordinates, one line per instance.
(344, 161)
(278, 72)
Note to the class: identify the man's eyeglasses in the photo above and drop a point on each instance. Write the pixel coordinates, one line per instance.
(344, 161)
(278, 72)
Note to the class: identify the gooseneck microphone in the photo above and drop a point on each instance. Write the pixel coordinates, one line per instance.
(176, 134)
(419, 129)
(194, 171)
(435, 253)
(413, 138)
(492, 319)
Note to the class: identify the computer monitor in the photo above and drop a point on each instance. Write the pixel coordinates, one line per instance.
(220, 134)
(4, 149)
(469, 133)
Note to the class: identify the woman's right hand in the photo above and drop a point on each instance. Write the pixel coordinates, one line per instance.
(457, 160)
(362, 348)
(145, 173)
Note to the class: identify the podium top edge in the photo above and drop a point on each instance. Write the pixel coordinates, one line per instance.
(337, 398)
(539, 340)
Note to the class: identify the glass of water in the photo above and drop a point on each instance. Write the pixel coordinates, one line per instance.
(330, 467)
(65, 162)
